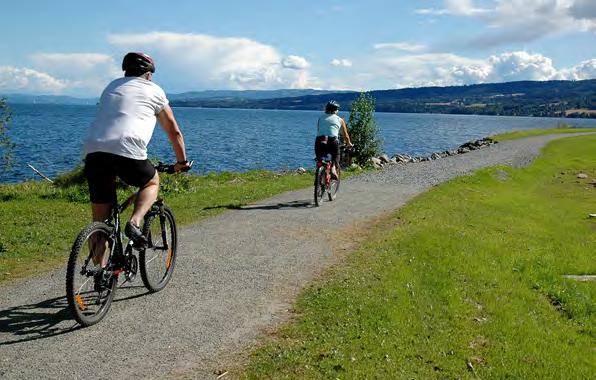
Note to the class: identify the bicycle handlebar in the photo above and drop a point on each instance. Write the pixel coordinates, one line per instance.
(169, 168)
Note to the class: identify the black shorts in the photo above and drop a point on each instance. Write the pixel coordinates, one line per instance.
(101, 170)
(327, 145)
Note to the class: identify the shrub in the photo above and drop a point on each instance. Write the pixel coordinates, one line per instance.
(71, 178)
(363, 129)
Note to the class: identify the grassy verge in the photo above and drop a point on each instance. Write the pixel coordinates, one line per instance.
(466, 281)
(39, 221)
(540, 132)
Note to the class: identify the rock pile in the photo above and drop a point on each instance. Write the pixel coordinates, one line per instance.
(379, 162)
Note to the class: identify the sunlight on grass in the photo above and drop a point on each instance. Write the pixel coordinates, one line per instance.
(563, 128)
(467, 283)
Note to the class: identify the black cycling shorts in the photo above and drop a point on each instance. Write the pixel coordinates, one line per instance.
(327, 145)
(101, 170)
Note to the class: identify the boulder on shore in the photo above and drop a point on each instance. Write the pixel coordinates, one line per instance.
(375, 162)
(384, 159)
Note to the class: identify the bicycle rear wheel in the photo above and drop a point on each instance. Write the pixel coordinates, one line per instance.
(334, 186)
(157, 261)
(319, 185)
(89, 288)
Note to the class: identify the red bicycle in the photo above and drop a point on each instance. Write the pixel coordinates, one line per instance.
(325, 182)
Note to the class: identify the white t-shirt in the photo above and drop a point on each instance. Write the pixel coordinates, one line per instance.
(126, 118)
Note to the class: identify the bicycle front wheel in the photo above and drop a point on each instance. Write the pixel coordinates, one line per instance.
(319, 190)
(89, 288)
(157, 261)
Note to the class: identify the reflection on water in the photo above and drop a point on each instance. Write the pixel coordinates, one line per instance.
(50, 136)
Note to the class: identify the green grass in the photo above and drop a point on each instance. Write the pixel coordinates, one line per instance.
(465, 281)
(563, 128)
(39, 221)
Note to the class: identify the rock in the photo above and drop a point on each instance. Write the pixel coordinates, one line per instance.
(384, 159)
(301, 170)
(355, 166)
(375, 162)
(435, 156)
(463, 150)
(582, 176)
(402, 158)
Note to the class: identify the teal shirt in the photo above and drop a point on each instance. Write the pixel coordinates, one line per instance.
(329, 125)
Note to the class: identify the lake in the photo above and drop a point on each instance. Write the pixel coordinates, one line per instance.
(49, 137)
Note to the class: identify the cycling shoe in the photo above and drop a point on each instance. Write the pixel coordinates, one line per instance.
(134, 233)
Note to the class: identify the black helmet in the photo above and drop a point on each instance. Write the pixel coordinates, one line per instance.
(137, 63)
(331, 106)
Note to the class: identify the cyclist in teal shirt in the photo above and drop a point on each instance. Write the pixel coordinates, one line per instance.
(329, 127)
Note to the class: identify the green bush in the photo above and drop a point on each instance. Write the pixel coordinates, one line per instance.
(71, 178)
(363, 129)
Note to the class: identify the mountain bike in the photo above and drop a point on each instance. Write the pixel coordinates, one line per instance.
(90, 288)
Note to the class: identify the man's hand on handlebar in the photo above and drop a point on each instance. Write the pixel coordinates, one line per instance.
(183, 166)
(175, 168)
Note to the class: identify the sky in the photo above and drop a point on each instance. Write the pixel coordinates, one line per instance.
(75, 47)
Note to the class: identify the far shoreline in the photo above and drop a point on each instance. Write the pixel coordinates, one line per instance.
(591, 113)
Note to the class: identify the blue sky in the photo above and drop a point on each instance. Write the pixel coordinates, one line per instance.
(75, 48)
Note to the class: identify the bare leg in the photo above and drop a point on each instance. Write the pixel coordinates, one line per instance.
(145, 199)
(98, 245)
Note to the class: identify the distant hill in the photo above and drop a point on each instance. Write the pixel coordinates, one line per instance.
(524, 98)
(226, 95)
(216, 95)
(47, 99)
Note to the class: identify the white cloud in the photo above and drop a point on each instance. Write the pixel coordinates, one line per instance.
(583, 70)
(454, 7)
(450, 69)
(520, 65)
(431, 11)
(200, 61)
(405, 46)
(295, 62)
(83, 72)
(30, 81)
(510, 21)
(77, 64)
(341, 62)
(421, 69)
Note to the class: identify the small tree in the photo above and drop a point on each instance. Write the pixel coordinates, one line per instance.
(6, 145)
(363, 129)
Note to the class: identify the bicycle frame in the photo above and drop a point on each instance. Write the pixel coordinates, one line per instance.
(327, 164)
(118, 209)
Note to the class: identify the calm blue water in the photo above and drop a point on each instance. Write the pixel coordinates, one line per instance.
(49, 137)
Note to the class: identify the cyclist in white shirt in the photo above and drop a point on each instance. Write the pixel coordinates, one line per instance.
(116, 142)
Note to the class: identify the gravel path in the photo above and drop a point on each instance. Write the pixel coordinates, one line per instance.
(236, 276)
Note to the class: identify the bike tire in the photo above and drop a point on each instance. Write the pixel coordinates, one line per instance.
(334, 186)
(158, 259)
(90, 305)
(319, 185)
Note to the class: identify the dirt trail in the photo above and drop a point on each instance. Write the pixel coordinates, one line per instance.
(236, 275)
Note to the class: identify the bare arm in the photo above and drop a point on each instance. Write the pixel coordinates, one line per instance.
(344, 132)
(168, 123)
